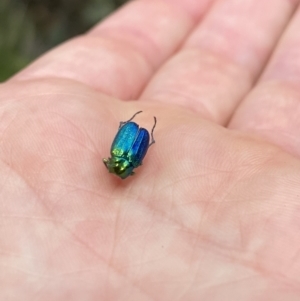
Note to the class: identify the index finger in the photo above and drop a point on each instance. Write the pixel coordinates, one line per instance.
(119, 56)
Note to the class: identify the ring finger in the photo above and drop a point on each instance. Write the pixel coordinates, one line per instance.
(222, 59)
(272, 109)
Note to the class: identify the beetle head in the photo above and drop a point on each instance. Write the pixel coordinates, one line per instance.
(119, 166)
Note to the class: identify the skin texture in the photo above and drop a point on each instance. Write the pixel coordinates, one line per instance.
(213, 213)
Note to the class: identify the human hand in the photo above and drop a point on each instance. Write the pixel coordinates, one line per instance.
(213, 213)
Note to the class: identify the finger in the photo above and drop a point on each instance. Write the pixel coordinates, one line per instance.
(118, 56)
(272, 109)
(223, 57)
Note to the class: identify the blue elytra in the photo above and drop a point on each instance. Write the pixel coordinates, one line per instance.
(129, 148)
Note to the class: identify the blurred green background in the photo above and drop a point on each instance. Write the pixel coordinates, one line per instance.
(30, 27)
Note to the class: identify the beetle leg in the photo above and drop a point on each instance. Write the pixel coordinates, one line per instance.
(152, 138)
(124, 122)
(121, 124)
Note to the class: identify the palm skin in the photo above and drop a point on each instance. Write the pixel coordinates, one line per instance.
(213, 212)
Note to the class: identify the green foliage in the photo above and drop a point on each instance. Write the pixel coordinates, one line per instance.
(30, 27)
(16, 37)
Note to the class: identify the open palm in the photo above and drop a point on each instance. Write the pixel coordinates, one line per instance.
(214, 211)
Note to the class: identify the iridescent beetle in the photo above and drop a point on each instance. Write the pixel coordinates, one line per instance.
(128, 148)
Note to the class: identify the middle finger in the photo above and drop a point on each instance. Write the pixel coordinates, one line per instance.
(222, 59)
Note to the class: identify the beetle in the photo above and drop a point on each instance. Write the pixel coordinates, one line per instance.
(129, 148)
